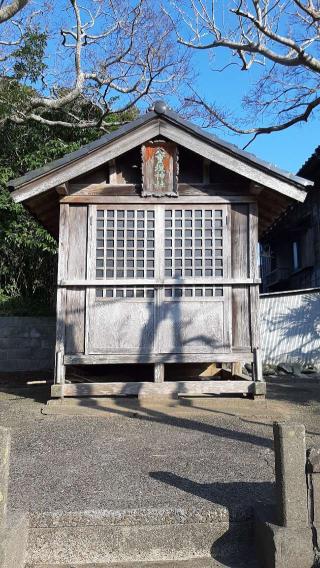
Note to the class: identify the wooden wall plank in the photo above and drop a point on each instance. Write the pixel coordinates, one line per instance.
(253, 241)
(61, 294)
(240, 268)
(75, 317)
(76, 268)
(240, 241)
(77, 241)
(240, 318)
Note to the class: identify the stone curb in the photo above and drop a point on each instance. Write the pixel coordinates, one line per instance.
(140, 517)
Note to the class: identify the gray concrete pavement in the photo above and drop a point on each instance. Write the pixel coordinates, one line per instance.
(127, 456)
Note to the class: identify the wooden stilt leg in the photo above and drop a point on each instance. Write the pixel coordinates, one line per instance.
(257, 364)
(158, 372)
(60, 371)
(236, 368)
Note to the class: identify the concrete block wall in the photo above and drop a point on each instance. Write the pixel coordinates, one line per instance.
(27, 343)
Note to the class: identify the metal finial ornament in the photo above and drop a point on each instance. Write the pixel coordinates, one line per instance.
(159, 107)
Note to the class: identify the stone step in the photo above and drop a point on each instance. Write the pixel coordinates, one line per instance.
(139, 535)
(247, 562)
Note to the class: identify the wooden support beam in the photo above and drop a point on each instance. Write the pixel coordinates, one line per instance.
(113, 171)
(255, 188)
(158, 372)
(206, 171)
(134, 199)
(206, 281)
(63, 189)
(119, 358)
(60, 370)
(236, 368)
(174, 388)
(210, 371)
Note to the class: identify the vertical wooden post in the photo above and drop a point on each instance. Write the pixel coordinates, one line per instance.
(254, 293)
(236, 368)
(113, 178)
(257, 365)
(61, 294)
(206, 171)
(158, 372)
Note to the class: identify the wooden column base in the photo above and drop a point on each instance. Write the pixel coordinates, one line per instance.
(158, 372)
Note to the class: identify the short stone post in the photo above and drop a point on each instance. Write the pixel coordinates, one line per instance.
(290, 466)
(313, 471)
(13, 530)
(4, 473)
(4, 479)
(283, 532)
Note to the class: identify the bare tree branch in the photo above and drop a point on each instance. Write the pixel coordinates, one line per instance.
(114, 54)
(302, 117)
(9, 11)
(281, 36)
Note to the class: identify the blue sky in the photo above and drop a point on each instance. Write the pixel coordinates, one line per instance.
(288, 149)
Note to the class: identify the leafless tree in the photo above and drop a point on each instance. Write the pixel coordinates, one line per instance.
(111, 53)
(282, 37)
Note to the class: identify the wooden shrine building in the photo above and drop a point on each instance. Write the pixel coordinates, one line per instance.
(158, 226)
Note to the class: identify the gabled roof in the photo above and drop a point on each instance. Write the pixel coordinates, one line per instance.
(160, 119)
(164, 122)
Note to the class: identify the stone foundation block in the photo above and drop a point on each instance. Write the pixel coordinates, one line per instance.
(13, 541)
(281, 547)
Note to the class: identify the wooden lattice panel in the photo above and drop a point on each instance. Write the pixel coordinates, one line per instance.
(194, 243)
(124, 293)
(125, 243)
(192, 292)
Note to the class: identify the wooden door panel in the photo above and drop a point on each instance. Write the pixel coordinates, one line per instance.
(159, 244)
(122, 325)
(192, 327)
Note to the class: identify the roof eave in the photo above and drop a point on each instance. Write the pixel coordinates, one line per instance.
(290, 185)
(300, 182)
(34, 175)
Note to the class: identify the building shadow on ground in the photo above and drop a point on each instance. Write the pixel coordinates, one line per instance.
(234, 548)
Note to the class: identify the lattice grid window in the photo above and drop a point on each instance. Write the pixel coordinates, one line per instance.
(110, 293)
(193, 292)
(125, 243)
(193, 243)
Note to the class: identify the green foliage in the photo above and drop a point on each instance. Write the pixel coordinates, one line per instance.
(29, 57)
(19, 306)
(28, 254)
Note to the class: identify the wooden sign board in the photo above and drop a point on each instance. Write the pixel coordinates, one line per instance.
(159, 169)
